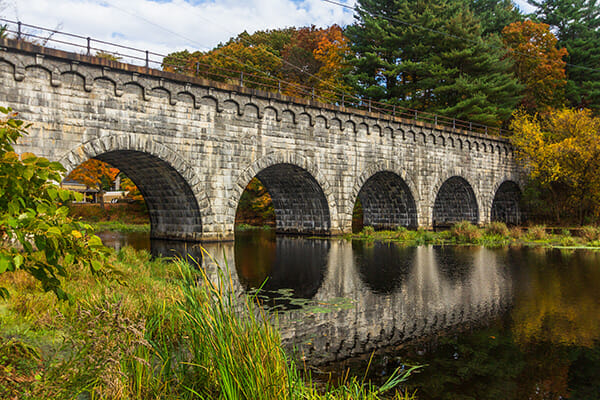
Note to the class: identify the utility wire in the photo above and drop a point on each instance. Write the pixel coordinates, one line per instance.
(336, 89)
(413, 25)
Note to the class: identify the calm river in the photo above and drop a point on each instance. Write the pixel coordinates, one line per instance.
(502, 323)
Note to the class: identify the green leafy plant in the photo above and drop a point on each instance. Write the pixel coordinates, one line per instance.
(537, 232)
(465, 232)
(36, 233)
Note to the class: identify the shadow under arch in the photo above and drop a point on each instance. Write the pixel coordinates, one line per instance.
(164, 178)
(455, 201)
(387, 202)
(172, 206)
(505, 206)
(299, 202)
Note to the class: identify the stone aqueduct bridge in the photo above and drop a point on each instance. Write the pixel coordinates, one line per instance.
(193, 145)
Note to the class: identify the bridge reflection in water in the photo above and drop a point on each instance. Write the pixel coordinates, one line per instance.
(343, 299)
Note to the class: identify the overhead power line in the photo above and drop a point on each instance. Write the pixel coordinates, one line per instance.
(437, 31)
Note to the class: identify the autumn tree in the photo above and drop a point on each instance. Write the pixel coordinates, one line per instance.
(315, 59)
(538, 63)
(258, 56)
(95, 174)
(255, 206)
(577, 26)
(133, 192)
(560, 151)
(431, 56)
(293, 61)
(36, 234)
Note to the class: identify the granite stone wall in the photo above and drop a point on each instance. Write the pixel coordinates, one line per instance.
(192, 146)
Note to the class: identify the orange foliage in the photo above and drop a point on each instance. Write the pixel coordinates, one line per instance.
(132, 190)
(539, 64)
(293, 61)
(93, 173)
(331, 52)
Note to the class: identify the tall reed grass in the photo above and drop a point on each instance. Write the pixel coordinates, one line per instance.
(169, 332)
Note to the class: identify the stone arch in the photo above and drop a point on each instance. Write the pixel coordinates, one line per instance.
(17, 65)
(386, 178)
(303, 199)
(72, 70)
(387, 202)
(133, 86)
(455, 201)
(51, 70)
(270, 109)
(336, 123)
(505, 204)
(171, 188)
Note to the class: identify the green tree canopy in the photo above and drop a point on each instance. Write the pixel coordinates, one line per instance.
(494, 15)
(577, 26)
(431, 55)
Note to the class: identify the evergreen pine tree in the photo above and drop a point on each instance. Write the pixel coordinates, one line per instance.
(577, 23)
(430, 55)
(495, 14)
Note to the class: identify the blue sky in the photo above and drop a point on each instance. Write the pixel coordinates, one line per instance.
(164, 26)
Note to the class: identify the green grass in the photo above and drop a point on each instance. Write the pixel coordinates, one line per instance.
(119, 226)
(156, 329)
(247, 227)
(495, 234)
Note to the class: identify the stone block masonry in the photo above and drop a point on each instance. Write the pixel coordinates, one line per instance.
(192, 146)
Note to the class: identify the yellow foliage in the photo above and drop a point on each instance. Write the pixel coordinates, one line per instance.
(562, 149)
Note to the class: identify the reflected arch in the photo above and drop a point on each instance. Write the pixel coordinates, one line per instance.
(387, 202)
(455, 201)
(173, 208)
(278, 263)
(505, 206)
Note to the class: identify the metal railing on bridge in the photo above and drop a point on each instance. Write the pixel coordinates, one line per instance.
(93, 47)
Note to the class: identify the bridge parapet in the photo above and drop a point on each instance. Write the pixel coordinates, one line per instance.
(222, 134)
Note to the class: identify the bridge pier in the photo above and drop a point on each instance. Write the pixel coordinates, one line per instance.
(192, 145)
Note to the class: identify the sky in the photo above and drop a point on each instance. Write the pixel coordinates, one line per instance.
(165, 26)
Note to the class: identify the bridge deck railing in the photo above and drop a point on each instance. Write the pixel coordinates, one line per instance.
(263, 81)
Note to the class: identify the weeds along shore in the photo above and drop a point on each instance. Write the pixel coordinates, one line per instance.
(495, 234)
(154, 329)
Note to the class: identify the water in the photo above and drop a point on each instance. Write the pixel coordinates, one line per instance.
(519, 323)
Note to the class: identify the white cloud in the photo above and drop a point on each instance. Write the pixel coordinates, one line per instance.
(164, 26)
(168, 26)
(524, 6)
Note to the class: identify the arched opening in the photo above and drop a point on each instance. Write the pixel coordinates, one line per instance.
(298, 202)
(173, 211)
(455, 202)
(505, 207)
(386, 203)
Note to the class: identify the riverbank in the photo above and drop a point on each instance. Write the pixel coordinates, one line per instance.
(149, 330)
(119, 217)
(495, 234)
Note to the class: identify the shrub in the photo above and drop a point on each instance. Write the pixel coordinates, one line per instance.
(516, 232)
(497, 228)
(590, 233)
(465, 232)
(368, 231)
(537, 232)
